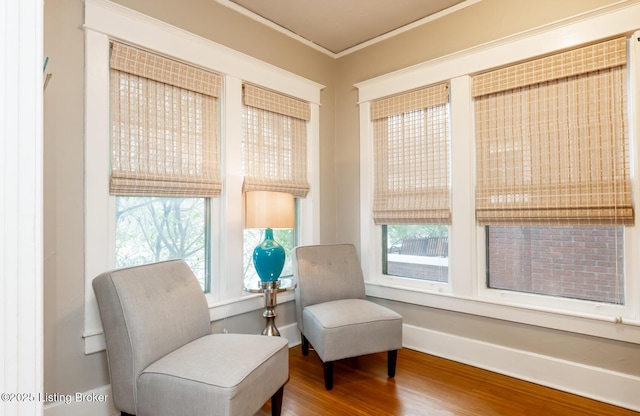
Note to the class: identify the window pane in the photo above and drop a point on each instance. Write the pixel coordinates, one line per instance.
(150, 229)
(417, 251)
(252, 238)
(571, 262)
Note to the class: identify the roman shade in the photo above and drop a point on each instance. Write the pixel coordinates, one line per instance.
(164, 129)
(274, 142)
(411, 157)
(552, 140)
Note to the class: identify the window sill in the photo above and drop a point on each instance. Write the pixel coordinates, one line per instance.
(217, 310)
(594, 325)
(243, 304)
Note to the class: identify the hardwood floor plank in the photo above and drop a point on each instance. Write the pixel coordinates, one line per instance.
(424, 385)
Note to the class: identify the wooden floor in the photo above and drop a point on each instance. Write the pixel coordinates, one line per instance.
(424, 385)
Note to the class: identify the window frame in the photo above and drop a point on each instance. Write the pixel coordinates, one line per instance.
(533, 298)
(466, 291)
(385, 255)
(205, 278)
(104, 21)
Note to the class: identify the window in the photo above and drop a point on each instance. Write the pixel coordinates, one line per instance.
(553, 173)
(150, 229)
(411, 189)
(105, 22)
(580, 262)
(417, 251)
(274, 147)
(164, 159)
(492, 245)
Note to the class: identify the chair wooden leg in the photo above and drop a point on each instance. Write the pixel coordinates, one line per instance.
(392, 358)
(305, 345)
(328, 375)
(276, 402)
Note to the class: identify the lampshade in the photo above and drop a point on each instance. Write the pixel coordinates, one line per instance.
(265, 209)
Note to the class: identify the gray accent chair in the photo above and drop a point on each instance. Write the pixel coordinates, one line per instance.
(163, 358)
(334, 315)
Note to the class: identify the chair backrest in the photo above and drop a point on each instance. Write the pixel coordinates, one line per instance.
(147, 311)
(324, 273)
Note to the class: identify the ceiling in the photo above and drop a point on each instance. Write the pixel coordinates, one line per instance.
(338, 26)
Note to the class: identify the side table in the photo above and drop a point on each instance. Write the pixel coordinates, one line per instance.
(270, 291)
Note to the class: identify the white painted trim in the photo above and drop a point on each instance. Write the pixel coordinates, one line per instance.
(462, 231)
(99, 235)
(231, 219)
(611, 387)
(21, 205)
(119, 22)
(309, 206)
(595, 383)
(291, 333)
(408, 27)
(604, 327)
(466, 290)
(249, 303)
(607, 22)
(95, 342)
(306, 42)
(370, 240)
(632, 240)
(237, 8)
(105, 20)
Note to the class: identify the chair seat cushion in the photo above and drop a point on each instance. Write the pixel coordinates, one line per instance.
(218, 374)
(350, 327)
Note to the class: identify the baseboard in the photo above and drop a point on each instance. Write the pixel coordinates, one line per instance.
(96, 402)
(592, 382)
(291, 333)
(587, 381)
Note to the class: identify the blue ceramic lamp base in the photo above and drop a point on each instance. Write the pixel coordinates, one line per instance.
(268, 258)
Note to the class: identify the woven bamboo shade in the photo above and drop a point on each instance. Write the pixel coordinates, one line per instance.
(274, 142)
(164, 130)
(552, 140)
(411, 152)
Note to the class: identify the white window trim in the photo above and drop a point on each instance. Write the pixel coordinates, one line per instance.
(466, 291)
(104, 21)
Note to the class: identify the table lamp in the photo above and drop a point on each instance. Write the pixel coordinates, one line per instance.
(269, 210)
